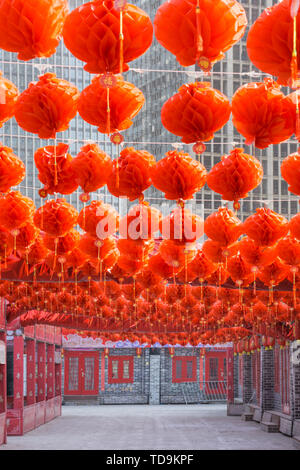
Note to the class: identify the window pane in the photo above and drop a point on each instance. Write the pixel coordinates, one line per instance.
(115, 369)
(213, 368)
(89, 363)
(178, 370)
(73, 374)
(125, 369)
(189, 369)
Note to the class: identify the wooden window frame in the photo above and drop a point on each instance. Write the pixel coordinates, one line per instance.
(120, 379)
(184, 377)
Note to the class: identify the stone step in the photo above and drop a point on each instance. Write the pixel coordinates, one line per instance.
(247, 416)
(268, 426)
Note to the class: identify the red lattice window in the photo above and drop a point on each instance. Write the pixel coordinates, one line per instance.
(184, 369)
(120, 369)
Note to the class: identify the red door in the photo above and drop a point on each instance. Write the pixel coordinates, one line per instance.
(216, 373)
(81, 373)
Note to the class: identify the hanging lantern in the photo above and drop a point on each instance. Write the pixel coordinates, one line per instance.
(62, 245)
(32, 28)
(99, 219)
(235, 175)
(238, 269)
(288, 249)
(175, 254)
(223, 226)
(6, 243)
(55, 170)
(107, 37)
(37, 252)
(196, 112)
(47, 107)
(111, 109)
(15, 210)
(262, 114)
(96, 248)
(130, 174)
(183, 226)
(265, 227)
(294, 226)
(255, 255)
(290, 172)
(91, 167)
(198, 32)
(26, 236)
(273, 274)
(135, 249)
(56, 217)
(12, 169)
(141, 222)
(201, 266)
(9, 96)
(159, 267)
(178, 175)
(281, 25)
(217, 253)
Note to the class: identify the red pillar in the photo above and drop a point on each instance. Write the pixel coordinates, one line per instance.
(58, 379)
(50, 371)
(31, 378)
(18, 372)
(3, 395)
(41, 380)
(230, 376)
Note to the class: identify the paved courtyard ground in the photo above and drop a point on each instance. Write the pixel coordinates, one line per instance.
(199, 427)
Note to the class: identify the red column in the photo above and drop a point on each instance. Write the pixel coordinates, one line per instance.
(41, 380)
(50, 371)
(18, 372)
(58, 378)
(3, 395)
(31, 378)
(230, 376)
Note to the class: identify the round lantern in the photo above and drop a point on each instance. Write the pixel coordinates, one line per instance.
(141, 222)
(238, 269)
(196, 112)
(265, 227)
(201, 266)
(12, 169)
(15, 210)
(96, 248)
(55, 171)
(32, 28)
(99, 219)
(106, 38)
(175, 254)
(37, 252)
(56, 217)
(183, 226)
(223, 226)
(110, 109)
(199, 32)
(130, 175)
(275, 55)
(273, 274)
(235, 175)
(262, 114)
(294, 226)
(178, 175)
(47, 107)
(135, 249)
(290, 172)
(9, 96)
(159, 267)
(217, 253)
(6, 243)
(91, 167)
(288, 249)
(26, 236)
(62, 245)
(255, 255)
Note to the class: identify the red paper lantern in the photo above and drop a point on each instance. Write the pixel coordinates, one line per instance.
(47, 107)
(217, 253)
(91, 167)
(178, 175)
(130, 174)
(62, 245)
(256, 255)
(199, 36)
(9, 96)
(12, 169)
(237, 268)
(294, 226)
(6, 243)
(33, 28)
(223, 226)
(288, 249)
(76, 259)
(26, 236)
(196, 112)
(96, 248)
(235, 175)
(265, 227)
(262, 114)
(99, 219)
(128, 266)
(274, 56)
(37, 252)
(273, 274)
(201, 266)
(290, 172)
(182, 226)
(141, 222)
(55, 170)
(135, 249)
(124, 99)
(176, 254)
(92, 34)
(158, 266)
(56, 217)
(15, 210)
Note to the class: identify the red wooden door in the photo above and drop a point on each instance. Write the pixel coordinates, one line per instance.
(81, 373)
(216, 372)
